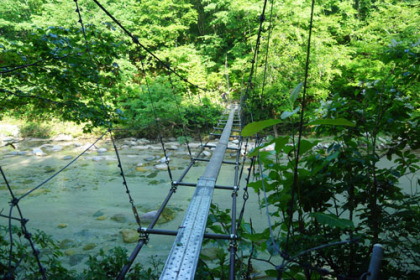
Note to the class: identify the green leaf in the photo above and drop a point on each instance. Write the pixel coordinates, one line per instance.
(332, 220)
(280, 143)
(254, 152)
(287, 114)
(306, 145)
(254, 127)
(256, 185)
(295, 93)
(272, 273)
(339, 121)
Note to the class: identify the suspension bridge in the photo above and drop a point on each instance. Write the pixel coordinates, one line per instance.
(183, 257)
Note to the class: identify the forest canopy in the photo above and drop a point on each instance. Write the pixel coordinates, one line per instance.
(49, 70)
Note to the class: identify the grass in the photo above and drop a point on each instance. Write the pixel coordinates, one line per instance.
(42, 129)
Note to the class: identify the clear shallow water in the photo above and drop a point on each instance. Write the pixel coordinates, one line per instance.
(85, 207)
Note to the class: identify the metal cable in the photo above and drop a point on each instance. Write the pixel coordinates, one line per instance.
(15, 203)
(266, 52)
(157, 123)
(187, 142)
(257, 45)
(62, 169)
(127, 190)
(295, 174)
(18, 67)
(94, 65)
(136, 41)
(107, 117)
(246, 194)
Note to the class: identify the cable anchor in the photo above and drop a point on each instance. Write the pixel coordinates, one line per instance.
(143, 235)
(232, 241)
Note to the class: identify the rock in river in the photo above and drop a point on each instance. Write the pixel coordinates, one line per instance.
(119, 218)
(101, 150)
(148, 217)
(206, 153)
(161, 166)
(130, 235)
(56, 148)
(38, 152)
(66, 244)
(89, 246)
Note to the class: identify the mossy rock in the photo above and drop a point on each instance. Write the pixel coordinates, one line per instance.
(89, 246)
(37, 192)
(153, 182)
(130, 235)
(152, 175)
(70, 252)
(101, 218)
(168, 215)
(98, 213)
(119, 218)
(141, 169)
(76, 259)
(66, 244)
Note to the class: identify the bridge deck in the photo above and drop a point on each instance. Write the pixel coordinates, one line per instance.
(183, 258)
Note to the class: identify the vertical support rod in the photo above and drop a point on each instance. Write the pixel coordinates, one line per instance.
(143, 242)
(375, 262)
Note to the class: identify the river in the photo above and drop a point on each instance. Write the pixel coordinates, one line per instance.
(85, 208)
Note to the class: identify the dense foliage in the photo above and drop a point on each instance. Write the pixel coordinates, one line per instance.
(364, 68)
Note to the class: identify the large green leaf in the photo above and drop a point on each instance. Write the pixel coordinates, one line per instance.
(306, 145)
(295, 93)
(280, 143)
(254, 127)
(339, 121)
(287, 114)
(254, 152)
(332, 220)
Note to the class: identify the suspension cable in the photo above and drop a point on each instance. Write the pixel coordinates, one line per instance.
(36, 63)
(15, 203)
(157, 122)
(107, 117)
(94, 65)
(295, 173)
(137, 42)
(187, 142)
(62, 169)
(270, 28)
(257, 45)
